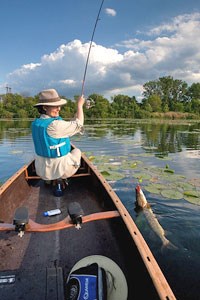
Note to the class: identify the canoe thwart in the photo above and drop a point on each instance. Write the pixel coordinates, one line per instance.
(75, 212)
(32, 226)
(21, 219)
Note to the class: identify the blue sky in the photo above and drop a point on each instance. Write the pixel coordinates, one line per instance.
(44, 44)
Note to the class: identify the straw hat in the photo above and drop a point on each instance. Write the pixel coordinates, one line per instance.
(50, 98)
(117, 288)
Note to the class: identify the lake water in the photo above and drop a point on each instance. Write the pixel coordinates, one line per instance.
(164, 158)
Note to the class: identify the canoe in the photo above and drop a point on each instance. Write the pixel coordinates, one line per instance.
(39, 253)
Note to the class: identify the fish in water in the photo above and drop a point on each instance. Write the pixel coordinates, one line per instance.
(142, 204)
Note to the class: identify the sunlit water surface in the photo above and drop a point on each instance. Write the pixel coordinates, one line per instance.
(154, 146)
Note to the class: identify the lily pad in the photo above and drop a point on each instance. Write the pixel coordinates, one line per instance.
(108, 167)
(192, 199)
(172, 177)
(172, 194)
(110, 175)
(159, 186)
(143, 176)
(162, 157)
(105, 173)
(193, 194)
(156, 171)
(91, 157)
(184, 185)
(160, 181)
(102, 159)
(152, 189)
(169, 171)
(87, 153)
(115, 163)
(155, 188)
(131, 164)
(146, 155)
(134, 154)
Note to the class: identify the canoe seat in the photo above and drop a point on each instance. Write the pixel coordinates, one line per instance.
(75, 212)
(21, 218)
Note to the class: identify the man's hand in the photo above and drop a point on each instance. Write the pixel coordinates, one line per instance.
(81, 101)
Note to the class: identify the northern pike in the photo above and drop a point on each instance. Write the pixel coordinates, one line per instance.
(141, 203)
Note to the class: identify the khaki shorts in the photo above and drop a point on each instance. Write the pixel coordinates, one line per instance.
(73, 163)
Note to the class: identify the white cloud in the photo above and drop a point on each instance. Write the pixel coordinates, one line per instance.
(111, 12)
(177, 24)
(169, 49)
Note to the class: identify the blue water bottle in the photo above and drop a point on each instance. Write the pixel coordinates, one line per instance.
(58, 192)
(52, 212)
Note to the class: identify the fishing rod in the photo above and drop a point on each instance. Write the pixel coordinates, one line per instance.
(87, 60)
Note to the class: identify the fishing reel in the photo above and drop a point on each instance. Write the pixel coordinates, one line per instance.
(89, 103)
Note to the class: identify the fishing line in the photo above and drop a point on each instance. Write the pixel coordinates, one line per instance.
(86, 65)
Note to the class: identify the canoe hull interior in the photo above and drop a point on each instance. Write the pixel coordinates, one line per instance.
(41, 261)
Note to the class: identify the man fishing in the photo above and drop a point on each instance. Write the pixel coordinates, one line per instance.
(54, 158)
(51, 136)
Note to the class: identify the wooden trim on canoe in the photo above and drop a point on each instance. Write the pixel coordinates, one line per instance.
(155, 272)
(12, 178)
(24, 169)
(65, 223)
(75, 175)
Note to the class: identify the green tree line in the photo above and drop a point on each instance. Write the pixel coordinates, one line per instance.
(165, 97)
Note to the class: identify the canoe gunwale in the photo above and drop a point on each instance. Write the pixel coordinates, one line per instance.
(8, 183)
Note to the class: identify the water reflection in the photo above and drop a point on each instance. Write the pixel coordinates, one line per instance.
(156, 137)
(14, 129)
